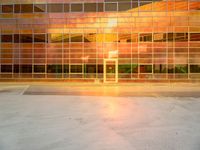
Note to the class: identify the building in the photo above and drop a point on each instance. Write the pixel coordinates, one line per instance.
(100, 40)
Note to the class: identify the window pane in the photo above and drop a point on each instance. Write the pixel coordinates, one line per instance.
(181, 69)
(39, 8)
(124, 37)
(66, 38)
(17, 8)
(26, 68)
(90, 68)
(194, 68)
(39, 38)
(66, 8)
(76, 7)
(159, 37)
(170, 68)
(194, 36)
(134, 68)
(6, 68)
(160, 68)
(124, 68)
(26, 38)
(55, 8)
(179, 37)
(146, 37)
(39, 68)
(7, 8)
(16, 38)
(6, 38)
(55, 38)
(100, 7)
(16, 68)
(54, 69)
(76, 69)
(110, 6)
(66, 68)
(145, 68)
(90, 7)
(124, 6)
(26, 8)
(76, 38)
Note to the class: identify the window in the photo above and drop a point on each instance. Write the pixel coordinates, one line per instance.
(159, 37)
(17, 8)
(110, 37)
(194, 36)
(54, 69)
(100, 68)
(66, 38)
(170, 68)
(6, 68)
(123, 37)
(26, 38)
(124, 68)
(16, 38)
(54, 8)
(6, 38)
(145, 37)
(25, 68)
(100, 7)
(181, 68)
(66, 68)
(124, 6)
(76, 69)
(76, 38)
(66, 8)
(26, 8)
(39, 8)
(160, 68)
(55, 38)
(110, 6)
(76, 7)
(39, 38)
(39, 69)
(170, 37)
(90, 68)
(134, 68)
(7, 8)
(90, 7)
(194, 68)
(145, 68)
(181, 37)
(16, 68)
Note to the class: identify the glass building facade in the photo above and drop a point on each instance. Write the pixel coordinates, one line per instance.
(100, 40)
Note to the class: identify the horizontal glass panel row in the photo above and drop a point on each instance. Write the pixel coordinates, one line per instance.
(90, 68)
(96, 37)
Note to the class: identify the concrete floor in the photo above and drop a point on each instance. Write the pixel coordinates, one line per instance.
(69, 117)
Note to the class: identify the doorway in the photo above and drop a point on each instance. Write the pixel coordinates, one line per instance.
(110, 70)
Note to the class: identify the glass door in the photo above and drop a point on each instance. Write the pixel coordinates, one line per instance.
(110, 70)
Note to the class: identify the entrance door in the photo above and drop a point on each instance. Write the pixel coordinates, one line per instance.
(110, 70)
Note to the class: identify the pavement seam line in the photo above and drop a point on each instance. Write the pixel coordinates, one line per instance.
(25, 88)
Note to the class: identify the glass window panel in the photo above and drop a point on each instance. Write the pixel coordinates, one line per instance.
(170, 37)
(76, 69)
(181, 68)
(16, 38)
(100, 7)
(159, 37)
(90, 37)
(110, 6)
(26, 8)
(6, 68)
(66, 68)
(194, 68)
(134, 68)
(66, 38)
(66, 8)
(124, 6)
(17, 8)
(124, 37)
(55, 38)
(39, 38)
(194, 36)
(39, 69)
(54, 68)
(170, 68)
(126, 68)
(39, 8)
(76, 37)
(180, 37)
(25, 68)
(16, 68)
(26, 38)
(7, 8)
(55, 8)
(160, 68)
(76, 7)
(100, 68)
(145, 37)
(110, 37)
(145, 68)
(90, 7)
(6, 38)
(90, 68)
(134, 4)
